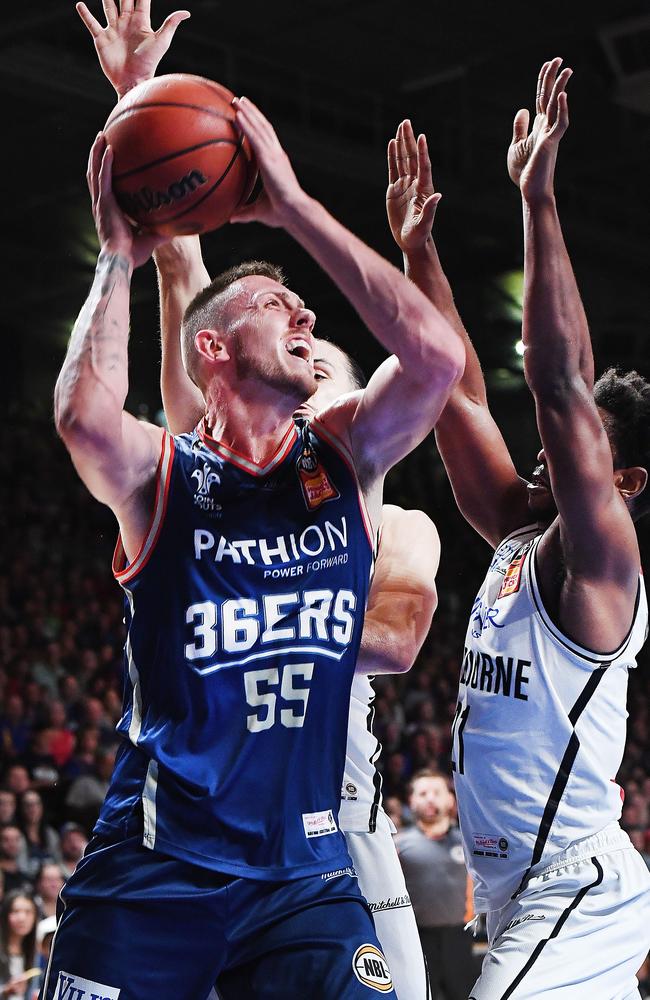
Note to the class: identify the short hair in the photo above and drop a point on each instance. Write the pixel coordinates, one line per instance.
(355, 371)
(426, 772)
(625, 396)
(200, 312)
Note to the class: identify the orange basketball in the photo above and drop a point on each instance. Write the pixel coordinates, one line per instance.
(180, 164)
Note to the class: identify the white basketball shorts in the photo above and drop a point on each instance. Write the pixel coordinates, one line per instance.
(579, 930)
(381, 881)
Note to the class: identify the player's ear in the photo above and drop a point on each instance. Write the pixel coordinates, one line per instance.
(630, 482)
(211, 344)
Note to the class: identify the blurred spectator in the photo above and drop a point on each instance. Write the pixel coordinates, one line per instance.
(431, 854)
(73, 844)
(44, 934)
(62, 741)
(395, 810)
(7, 806)
(48, 884)
(14, 731)
(87, 792)
(17, 944)
(42, 839)
(13, 859)
(17, 779)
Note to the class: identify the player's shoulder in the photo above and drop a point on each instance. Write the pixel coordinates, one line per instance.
(337, 417)
(413, 519)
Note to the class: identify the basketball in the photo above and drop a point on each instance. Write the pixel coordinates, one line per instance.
(180, 164)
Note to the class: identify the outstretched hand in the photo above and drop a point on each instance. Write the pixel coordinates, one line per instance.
(128, 48)
(531, 158)
(411, 200)
(281, 188)
(113, 228)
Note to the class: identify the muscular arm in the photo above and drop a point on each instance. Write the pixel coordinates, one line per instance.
(403, 595)
(115, 454)
(489, 493)
(598, 555)
(181, 275)
(406, 394)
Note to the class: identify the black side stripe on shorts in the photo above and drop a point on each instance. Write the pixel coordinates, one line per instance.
(376, 778)
(563, 774)
(556, 930)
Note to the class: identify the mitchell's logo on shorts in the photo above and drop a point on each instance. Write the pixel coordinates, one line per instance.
(69, 987)
(319, 824)
(371, 969)
(490, 846)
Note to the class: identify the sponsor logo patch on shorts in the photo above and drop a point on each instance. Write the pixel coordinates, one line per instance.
(490, 846)
(319, 824)
(69, 987)
(371, 968)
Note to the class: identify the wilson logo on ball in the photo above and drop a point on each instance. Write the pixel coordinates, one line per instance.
(371, 969)
(146, 200)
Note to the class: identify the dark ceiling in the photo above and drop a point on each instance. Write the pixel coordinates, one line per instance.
(336, 77)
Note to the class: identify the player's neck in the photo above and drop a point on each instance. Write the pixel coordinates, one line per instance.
(248, 426)
(436, 829)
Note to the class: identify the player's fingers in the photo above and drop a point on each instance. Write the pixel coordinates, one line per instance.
(558, 88)
(105, 179)
(143, 7)
(538, 94)
(393, 172)
(520, 125)
(111, 12)
(167, 29)
(410, 144)
(253, 212)
(549, 82)
(94, 162)
(562, 120)
(91, 22)
(126, 6)
(425, 177)
(429, 209)
(253, 115)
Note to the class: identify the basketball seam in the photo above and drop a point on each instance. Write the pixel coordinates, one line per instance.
(190, 208)
(167, 104)
(178, 152)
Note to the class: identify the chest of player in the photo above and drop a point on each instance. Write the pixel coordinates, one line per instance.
(247, 561)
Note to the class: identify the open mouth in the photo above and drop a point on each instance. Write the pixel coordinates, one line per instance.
(298, 347)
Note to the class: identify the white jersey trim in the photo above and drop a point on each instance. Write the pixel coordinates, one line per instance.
(149, 805)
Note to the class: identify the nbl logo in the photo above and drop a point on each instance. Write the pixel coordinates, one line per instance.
(371, 969)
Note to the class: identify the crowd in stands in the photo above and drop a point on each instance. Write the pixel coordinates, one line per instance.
(61, 638)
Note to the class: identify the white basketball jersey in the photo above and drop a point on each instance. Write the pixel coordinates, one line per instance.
(361, 789)
(539, 729)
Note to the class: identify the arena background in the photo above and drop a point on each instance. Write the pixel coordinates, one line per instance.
(335, 78)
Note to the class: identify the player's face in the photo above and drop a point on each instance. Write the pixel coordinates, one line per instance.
(431, 799)
(270, 336)
(332, 376)
(540, 497)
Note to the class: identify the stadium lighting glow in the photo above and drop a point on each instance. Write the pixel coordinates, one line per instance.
(520, 347)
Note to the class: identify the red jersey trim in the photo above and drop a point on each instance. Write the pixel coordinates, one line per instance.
(242, 461)
(163, 478)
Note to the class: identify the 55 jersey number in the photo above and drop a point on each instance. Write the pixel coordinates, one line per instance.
(259, 686)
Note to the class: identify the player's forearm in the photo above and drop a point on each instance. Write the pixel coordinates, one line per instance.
(555, 330)
(392, 307)
(423, 267)
(93, 383)
(394, 632)
(181, 275)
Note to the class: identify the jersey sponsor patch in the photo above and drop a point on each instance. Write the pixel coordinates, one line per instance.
(512, 579)
(350, 792)
(319, 824)
(316, 485)
(490, 846)
(371, 969)
(69, 987)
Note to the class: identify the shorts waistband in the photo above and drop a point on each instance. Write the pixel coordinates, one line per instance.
(612, 838)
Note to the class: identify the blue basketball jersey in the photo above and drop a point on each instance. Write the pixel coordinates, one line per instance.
(245, 608)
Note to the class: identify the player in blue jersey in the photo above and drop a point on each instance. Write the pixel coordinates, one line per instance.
(539, 729)
(245, 552)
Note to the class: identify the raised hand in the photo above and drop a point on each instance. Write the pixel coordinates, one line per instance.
(113, 228)
(281, 188)
(128, 48)
(411, 200)
(531, 158)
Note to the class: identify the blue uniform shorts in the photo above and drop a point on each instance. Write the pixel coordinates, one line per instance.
(139, 925)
